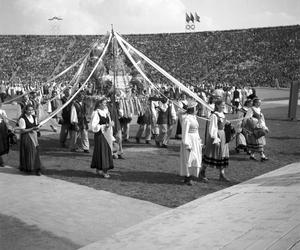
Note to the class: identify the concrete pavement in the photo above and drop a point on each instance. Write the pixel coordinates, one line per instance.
(262, 213)
(75, 212)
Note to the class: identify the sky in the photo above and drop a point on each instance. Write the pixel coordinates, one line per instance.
(142, 16)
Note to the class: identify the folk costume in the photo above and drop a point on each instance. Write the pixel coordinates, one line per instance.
(241, 136)
(102, 159)
(216, 150)
(166, 121)
(29, 146)
(191, 147)
(79, 127)
(145, 121)
(65, 122)
(256, 126)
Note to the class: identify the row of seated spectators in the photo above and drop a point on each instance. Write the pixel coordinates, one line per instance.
(257, 57)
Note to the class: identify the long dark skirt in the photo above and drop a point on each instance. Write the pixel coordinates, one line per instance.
(216, 155)
(29, 155)
(102, 155)
(4, 140)
(179, 128)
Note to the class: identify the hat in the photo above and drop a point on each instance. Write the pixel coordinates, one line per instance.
(191, 104)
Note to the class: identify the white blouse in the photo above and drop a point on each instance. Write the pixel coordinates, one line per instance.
(22, 123)
(3, 115)
(213, 126)
(95, 119)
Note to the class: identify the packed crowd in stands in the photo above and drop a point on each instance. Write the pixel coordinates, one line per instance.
(253, 57)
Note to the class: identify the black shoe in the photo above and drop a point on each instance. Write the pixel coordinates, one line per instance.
(187, 181)
(75, 150)
(223, 178)
(253, 158)
(157, 143)
(203, 178)
(38, 173)
(126, 140)
(164, 146)
(148, 142)
(137, 140)
(121, 157)
(86, 151)
(264, 159)
(1, 165)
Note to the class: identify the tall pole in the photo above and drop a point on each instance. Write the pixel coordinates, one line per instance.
(114, 63)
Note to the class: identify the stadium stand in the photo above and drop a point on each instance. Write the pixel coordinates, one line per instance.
(253, 57)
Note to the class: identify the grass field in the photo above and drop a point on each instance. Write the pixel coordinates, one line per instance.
(151, 173)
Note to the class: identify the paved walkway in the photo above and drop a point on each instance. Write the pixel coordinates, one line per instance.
(78, 213)
(262, 213)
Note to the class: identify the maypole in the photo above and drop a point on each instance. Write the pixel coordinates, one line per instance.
(114, 64)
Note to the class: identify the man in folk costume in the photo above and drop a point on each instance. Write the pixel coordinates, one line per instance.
(236, 99)
(182, 102)
(145, 121)
(241, 136)
(154, 103)
(79, 125)
(65, 119)
(166, 121)
(125, 115)
(117, 132)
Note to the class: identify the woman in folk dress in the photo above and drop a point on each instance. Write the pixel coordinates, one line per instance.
(102, 159)
(255, 120)
(29, 145)
(216, 149)
(191, 147)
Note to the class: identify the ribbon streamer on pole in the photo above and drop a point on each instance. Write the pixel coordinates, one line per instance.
(149, 81)
(77, 75)
(166, 74)
(81, 88)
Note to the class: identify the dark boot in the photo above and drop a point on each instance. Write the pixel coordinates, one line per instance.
(202, 176)
(223, 177)
(188, 180)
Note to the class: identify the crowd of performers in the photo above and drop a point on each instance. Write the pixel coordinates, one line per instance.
(159, 114)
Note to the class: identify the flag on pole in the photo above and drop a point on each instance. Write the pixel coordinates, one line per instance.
(192, 18)
(197, 17)
(187, 17)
